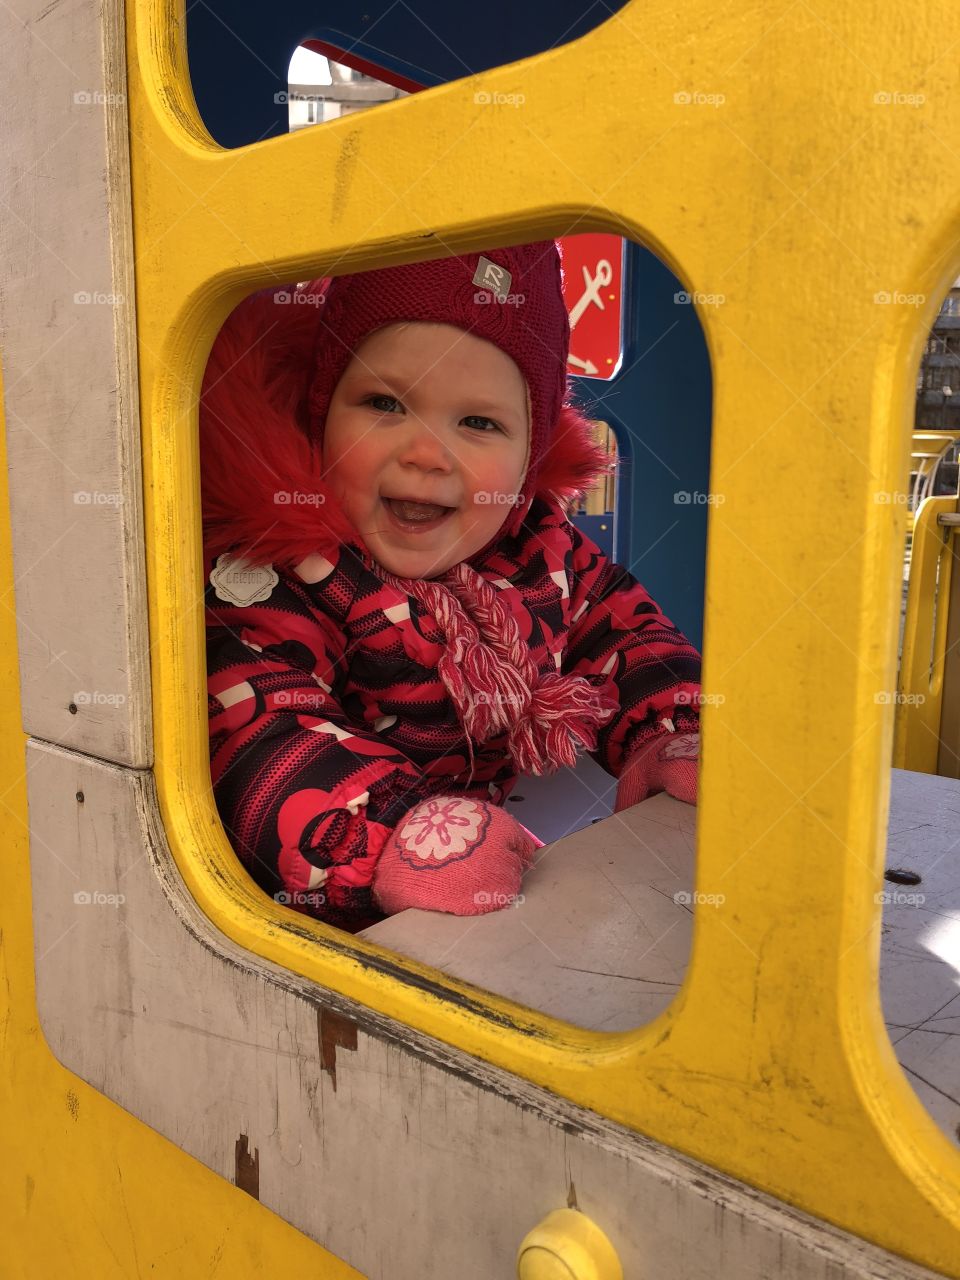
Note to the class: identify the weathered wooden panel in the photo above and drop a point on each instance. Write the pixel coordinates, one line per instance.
(70, 379)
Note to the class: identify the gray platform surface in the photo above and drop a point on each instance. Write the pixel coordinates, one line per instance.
(602, 937)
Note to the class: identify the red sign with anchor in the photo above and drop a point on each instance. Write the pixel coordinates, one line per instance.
(593, 292)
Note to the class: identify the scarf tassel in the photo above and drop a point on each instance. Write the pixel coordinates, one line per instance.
(492, 681)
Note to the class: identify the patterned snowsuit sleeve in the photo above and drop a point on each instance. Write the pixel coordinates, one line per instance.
(307, 797)
(620, 641)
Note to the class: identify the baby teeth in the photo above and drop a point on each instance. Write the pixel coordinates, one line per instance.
(421, 511)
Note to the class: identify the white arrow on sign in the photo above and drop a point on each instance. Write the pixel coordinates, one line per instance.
(588, 367)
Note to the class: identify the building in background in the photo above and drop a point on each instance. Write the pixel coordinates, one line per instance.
(320, 90)
(938, 387)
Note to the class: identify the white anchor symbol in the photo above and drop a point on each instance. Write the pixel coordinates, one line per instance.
(591, 290)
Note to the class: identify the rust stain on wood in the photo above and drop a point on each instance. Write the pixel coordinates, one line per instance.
(334, 1031)
(247, 1175)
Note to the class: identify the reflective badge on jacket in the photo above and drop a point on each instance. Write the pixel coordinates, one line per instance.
(237, 583)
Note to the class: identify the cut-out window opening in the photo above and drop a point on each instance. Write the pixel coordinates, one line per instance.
(328, 728)
(920, 950)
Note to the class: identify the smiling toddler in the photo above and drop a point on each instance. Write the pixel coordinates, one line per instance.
(401, 618)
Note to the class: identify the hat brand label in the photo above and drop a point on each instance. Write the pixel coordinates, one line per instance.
(493, 277)
(235, 582)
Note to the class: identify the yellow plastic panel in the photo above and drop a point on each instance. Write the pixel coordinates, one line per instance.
(86, 1190)
(791, 158)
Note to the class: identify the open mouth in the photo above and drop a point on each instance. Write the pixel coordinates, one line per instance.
(416, 516)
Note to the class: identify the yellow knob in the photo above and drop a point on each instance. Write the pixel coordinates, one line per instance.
(567, 1245)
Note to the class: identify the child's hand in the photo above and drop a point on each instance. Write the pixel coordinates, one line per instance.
(668, 763)
(454, 854)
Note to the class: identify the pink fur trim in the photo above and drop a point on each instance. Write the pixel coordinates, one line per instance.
(252, 446)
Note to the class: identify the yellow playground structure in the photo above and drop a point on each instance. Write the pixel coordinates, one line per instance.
(695, 1073)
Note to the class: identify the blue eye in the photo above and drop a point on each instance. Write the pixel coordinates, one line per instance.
(476, 418)
(387, 403)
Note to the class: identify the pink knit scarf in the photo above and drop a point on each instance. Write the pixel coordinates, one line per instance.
(487, 670)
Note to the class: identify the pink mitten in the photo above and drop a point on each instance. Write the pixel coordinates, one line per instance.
(453, 854)
(668, 763)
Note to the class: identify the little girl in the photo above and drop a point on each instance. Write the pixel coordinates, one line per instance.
(400, 617)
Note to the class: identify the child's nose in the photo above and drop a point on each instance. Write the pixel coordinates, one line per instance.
(424, 446)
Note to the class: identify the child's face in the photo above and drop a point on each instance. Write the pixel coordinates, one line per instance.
(427, 413)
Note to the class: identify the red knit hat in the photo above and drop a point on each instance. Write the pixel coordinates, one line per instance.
(511, 297)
